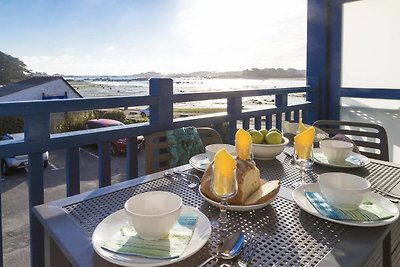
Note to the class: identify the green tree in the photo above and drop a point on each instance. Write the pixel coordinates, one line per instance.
(11, 69)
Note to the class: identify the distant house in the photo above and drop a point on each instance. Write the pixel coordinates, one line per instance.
(38, 88)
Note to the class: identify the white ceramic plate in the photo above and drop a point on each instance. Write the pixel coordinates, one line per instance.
(355, 160)
(301, 200)
(200, 162)
(114, 222)
(237, 207)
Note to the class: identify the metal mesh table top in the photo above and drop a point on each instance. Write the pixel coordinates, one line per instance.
(286, 235)
(380, 175)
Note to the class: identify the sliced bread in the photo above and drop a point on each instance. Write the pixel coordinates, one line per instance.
(267, 191)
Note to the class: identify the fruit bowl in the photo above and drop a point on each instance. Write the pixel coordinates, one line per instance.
(268, 151)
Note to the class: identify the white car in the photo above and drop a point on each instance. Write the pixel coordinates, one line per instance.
(20, 161)
(145, 112)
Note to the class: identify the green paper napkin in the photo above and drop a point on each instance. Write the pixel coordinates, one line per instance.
(127, 241)
(367, 211)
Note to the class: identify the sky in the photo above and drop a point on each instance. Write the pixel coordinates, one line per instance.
(123, 37)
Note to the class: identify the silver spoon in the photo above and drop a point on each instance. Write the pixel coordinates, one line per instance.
(229, 248)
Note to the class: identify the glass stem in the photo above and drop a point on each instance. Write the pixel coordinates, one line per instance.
(303, 176)
(223, 218)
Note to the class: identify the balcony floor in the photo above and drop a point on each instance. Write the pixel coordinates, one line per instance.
(383, 112)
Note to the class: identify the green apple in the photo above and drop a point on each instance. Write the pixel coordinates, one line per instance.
(256, 137)
(264, 132)
(251, 129)
(273, 137)
(273, 129)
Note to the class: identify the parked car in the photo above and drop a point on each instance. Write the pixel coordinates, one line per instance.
(117, 146)
(20, 161)
(145, 112)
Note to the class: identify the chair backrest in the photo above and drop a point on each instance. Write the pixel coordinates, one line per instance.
(371, 139)
(156, 153)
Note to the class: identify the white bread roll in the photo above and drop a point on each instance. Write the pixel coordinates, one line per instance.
(267, 191)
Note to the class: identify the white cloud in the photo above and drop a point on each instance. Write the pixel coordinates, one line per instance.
(110, 48)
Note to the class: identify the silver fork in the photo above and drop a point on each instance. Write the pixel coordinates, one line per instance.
(192, 185)
(248, 253)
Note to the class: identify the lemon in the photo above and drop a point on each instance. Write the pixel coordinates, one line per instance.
(256, 137)
(273, 137)
(264, 132)
(273, 129)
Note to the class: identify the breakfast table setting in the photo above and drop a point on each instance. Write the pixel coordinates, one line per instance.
(259, 202)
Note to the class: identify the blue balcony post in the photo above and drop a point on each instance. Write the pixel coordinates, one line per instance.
(312, 114)
(234, 108)
(1, 223)
(37, 130)
(335, 57)
(317, 53)
(162, 114)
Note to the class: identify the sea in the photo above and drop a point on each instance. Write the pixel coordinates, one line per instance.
(114, 87)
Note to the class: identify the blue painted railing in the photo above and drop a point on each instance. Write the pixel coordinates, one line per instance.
(38, 137)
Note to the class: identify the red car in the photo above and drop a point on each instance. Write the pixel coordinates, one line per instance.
(117, 146)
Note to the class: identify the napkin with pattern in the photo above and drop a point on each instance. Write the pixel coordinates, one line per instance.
(350, 161)
(127, 241)
(367, 211)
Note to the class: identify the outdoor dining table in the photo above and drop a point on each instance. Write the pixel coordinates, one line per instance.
(287, 235)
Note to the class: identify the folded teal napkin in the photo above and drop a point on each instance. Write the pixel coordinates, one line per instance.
(183, 143)
(126, 241)
(367, 211)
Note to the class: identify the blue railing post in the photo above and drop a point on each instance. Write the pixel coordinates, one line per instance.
(132, 158)
(162, 114)
(280, 101)
(234, 108)
(72, 171)
(37, 130)
(104, 167)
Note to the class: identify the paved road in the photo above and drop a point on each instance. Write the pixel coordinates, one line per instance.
(15, 196)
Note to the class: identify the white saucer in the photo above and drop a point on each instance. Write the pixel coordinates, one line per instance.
(114, 222)
(301, 200)
(237, 207)
(199, 162)
(355, 160)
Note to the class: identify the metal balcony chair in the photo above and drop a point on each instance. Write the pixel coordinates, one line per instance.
(371, 139)
(156, 153)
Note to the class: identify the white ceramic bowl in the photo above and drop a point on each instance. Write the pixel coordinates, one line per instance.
(153, 214)
(343, 190)
(212, 149)
(336, 150)
(268, 151)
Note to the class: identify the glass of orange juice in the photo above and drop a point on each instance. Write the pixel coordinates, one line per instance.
(224, 186)
(303, 160)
